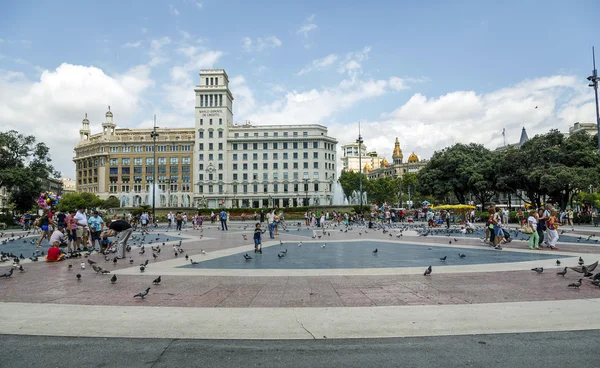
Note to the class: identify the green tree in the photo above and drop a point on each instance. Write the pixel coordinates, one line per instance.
(111, 202)
(384, 190)
(71, 201)
(24, 164)
(350, 181)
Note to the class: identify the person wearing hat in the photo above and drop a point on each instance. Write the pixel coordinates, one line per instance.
(96, 224)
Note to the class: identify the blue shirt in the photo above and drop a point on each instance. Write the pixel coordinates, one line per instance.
(95, 223)
(223, 215)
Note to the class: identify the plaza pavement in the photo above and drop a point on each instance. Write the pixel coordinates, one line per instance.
(299, 304)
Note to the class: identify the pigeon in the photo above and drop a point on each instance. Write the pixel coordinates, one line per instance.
(375, 251)
(280, 255)
(427, 271)
(455, 240)
(78, 277)
(300, 244)
(443, 258)
(202, 251)
(157, 280)
(284, 251)
(557, 262)
(142, 294)
(145, 263)
(580, 261)
(597, 276)
(538, 269)
(323, 246)
(280, 242)
(247, 257)
(104, 272)
(142, 268)
(91, 262)
(21, 268)
(186, 257)
(82, 266)
(130, 260)
(142, 251)
(154, 255)
(194, 263)
(7, 274)
(586, 273)
(115, 260)
(450, 242)
(96, 268)
(575, 285)
(113, 279)
(589, 268)
(70, 267)
(563, 272)
(462, 255)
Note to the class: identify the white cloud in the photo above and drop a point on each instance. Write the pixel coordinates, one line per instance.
(156, 54)
(319, 64)
(307, 26)
(199, 5)
(352, 64)
(134, 45)
(52, 107)
(173, 10)
(245, 102)
(260, 43)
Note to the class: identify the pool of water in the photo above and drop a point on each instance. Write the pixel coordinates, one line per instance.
(311, 255)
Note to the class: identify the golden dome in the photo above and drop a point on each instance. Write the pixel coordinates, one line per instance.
(413, 158)
(384, 162)
(397, 150)
(367, 168)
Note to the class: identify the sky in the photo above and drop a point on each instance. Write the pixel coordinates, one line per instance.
(432, 73)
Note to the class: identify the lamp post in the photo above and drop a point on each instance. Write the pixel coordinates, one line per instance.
(594, 79)
(154, 135)
(360, 142)
(305, 191)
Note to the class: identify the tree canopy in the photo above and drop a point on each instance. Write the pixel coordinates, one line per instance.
(24, 164)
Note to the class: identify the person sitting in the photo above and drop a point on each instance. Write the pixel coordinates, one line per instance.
(58, 237)
(55, 254)
(469, 227)
(105, 243)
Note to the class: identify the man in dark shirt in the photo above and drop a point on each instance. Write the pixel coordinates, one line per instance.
(124, 230)
(61, 219)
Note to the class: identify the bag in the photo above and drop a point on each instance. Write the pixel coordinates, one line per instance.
(528, 229)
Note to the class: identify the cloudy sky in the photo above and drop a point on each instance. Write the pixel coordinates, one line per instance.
(431, 72)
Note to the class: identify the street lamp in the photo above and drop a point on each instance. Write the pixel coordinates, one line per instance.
(594, 84)
(305, 191)
(360, 142)
(154, 135)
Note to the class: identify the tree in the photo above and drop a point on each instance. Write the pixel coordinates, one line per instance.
(111, 202)
(71, 201)
(350, 181)
(384, 190)
(24, 164)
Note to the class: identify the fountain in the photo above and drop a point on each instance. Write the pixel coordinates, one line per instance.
(156, 192)
(338, 195)
(355, 198)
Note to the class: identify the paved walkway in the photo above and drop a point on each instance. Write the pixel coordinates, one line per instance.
(297, 304)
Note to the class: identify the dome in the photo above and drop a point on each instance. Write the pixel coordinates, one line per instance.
(413, 158)
(108, 113)
(384, 163)
(367, 168)
(85, 120)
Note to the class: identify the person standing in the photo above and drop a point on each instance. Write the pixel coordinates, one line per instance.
(45, 223)
(144, 219)
(262, 216)
(60, 219)
(521, 217)
(223, 216)
(82, 224)
(505, 215)
(179, 220)
(570, 218)
(534, 237)
(257, 239)
(96, 224)
(71, 226)
(553, 224)
(270, 223)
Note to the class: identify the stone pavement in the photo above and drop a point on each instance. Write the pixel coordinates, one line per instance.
(340, 291)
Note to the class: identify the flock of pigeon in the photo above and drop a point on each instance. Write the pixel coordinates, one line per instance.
(581, 269)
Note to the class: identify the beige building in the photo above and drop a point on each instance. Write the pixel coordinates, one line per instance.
(68, 185)
(591, 128)
(398, 167)
(120, 163)
(351, 159)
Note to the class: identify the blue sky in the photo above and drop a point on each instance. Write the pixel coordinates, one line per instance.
(431, 72)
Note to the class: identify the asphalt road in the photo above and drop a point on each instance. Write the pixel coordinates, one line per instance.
(555, 349)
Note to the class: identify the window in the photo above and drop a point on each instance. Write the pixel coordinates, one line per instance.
(265, 156)
(254, 176)
(316, 176)
(220, 146)
(285, 165)
(201, 120)
(220, 188)
(220, 176)
(315, 155)
(113, 149)
(255, 188)
(235, 166)
(255, 166)
(275, 156)
(186, 147)
(275, 188)
(126, 149)
(295, 145)
(137, 170)
(220, 166)
(276, 176)
(114, 161)
(295, 155)
(162, 160)
(285, 175)
(174, 170)
(210, 146)
(315, 165)
(236, 135)
(235, 188)
(114, 171)
(125, 170)
(210, 157)
(254, 146)
(220, 131)
(200, 134)
(210, 134)
(125, 161)
(295, 134)
(220, 121)
(285, 134)
(305, 145)
(245, 157)
(275, 165)
(295, 165)
(265, 188)
(201, 167)
(201, 157)
(149, 169)
(245, 176)
(285, 145)
(137, 161)
(235, 176)
(315, 144)
(305, 165)
(245, 146)
(185, 160)
(245, 186)
(162, 169)
(201, 146)
(220, 157)
(276, 134)
(316, 187)
(285, 155)
(265, 166)
(295, 176)
(305, 134)
(201, 177)
(265, 176)
(245, 166)
(210, 120)
(265, 146)
(220, 104)
(255, 156)
(174, 160)
(235, 146)
(274, 145)
(235, 157)
(305, 155)
(185, 169)
(266, 134)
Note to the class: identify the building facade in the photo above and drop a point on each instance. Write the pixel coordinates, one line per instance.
(120, 163)
(398, 167)
(68, 185)
(352, 160)
(256, 166)
(591, 128)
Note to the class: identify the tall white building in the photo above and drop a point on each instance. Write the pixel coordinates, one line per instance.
(352, 160)
(256, 166)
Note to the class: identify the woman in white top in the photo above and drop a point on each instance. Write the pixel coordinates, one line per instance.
(534, 238)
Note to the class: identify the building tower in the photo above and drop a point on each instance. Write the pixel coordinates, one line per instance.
(108, 127)
(524, 137)
(84, 132)
(214, 117)
(397, 156)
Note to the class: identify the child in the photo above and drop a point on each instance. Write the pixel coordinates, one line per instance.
(54, 253)
(105, 243)
(257, 242)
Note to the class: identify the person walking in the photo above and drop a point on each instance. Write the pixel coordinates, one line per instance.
(270, 223)
(257, 239)
(179, 219)
(262, 216)
(45, 223)
(534, 237)
(223, 216)
(521, 217)
(96, 223)
(553, 224)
